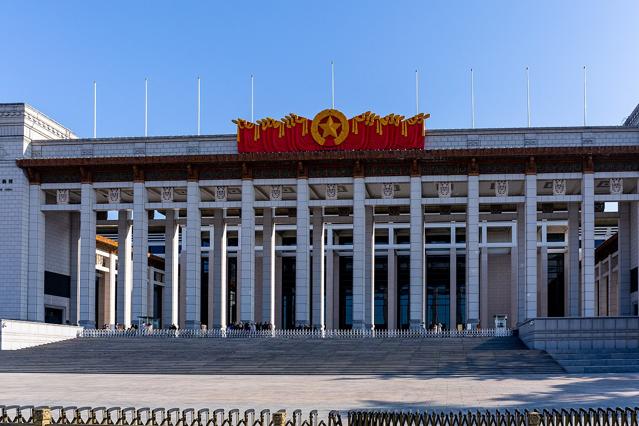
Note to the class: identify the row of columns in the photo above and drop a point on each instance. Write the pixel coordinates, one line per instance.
(132, 301)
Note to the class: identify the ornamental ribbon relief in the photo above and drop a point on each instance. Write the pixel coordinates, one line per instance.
(331, 191)
(220, 193)
(388, 191)
(616, 186)
(62, 196)
(444, 189)
(559, 187)
(501, 188)
(166, 194)
(276, 193)
(114, 195)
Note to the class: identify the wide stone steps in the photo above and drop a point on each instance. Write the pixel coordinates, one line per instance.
(458, 356)
(600, 361)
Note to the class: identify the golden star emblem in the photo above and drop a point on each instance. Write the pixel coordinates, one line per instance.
(329, 128)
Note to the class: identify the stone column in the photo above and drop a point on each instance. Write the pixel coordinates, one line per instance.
(247, 253)
(35, 304)
(125, 277)
(359, 253)
(139, 300)
(453, 279)
(369, 268)
(514, 278)
(392, 284)
(588, 244)
(87, 257)
(319, 320)
(193, 254)
(302, 256)
(171, 268)
(182, 278)
(572, 279)
(531, 245)
(521, 262)
(112, 283)
(472, 250)
(625, 234)
(268, 267)
(416, 289)
(329, 286)
(542, 303)
(219, 271)
(484, 319)
(74, 300)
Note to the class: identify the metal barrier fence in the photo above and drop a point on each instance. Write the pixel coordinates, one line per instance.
(45, 416)
(295, 333)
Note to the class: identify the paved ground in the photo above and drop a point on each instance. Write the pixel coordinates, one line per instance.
(320, 392)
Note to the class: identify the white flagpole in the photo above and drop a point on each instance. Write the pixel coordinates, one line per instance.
(146, 107)
(95, 109)
(585, 99)
(252, 98)
(528, 94)
(198, 106)
(472, 97)
(332, 85)
(416, 92)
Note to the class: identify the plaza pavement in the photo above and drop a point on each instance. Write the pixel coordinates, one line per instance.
(323, 393)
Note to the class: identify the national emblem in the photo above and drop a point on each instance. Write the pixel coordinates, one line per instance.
(333, 124)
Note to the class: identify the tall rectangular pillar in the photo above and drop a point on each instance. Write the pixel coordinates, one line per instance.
(110, 295)
(531, 245)
(193, 255)
(125, 270)
(359, 253)
(87, 257)
(624, 259)
(588, 244)
(139, 298)
(219, 271)
(319, 289)
(484, 320)
(171, 269)
(302, 256)
(521, 263)
(268, 267)
(542, 291)
(35, 293)
(247, 254)
(369, 268)
(453, 280)
(416, 284)
(329, 282)
(74, 299)
(392, 283)
(472, 250)
(572, 279)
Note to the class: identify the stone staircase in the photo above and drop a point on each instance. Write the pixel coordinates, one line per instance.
(599, 361)
(377, 356)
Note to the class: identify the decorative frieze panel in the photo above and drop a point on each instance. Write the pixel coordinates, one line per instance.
(331, 191)
(501, 188)
(559, 187)
(220, 193)
(276, 193)
(166, 194)
(62, 196)
(100, 260)
(444, 189)
(114, 195)
(616, 186)
(388, 191)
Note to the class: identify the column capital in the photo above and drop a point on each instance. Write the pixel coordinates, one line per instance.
(302, 170)
(33, 175)
(86, 175)
(531, 166)
(138, 174)
(192, 173)
(473, 167)
(588, 165)
(414, 168)
(358, 169)
(247, 173)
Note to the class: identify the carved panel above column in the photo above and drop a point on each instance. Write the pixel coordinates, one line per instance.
(331, 191)
(166, 194)
(559, 187)
(220, 193)
(388, 191)
(501, 188)
(444, 189)
(62, 196)
(616, 186)
(276, 193)
(114, 195)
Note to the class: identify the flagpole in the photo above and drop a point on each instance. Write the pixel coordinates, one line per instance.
(252, 98)
(198, 106)
(472, 97)
(95, 109)
(332, 85)
(528, 94)
(416, 92)
(585, 98)
(146, 107)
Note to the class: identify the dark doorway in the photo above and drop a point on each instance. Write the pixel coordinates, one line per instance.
(438, 290)
(461, 289)
(381, 292)
(555, 284)
(403, 291)
(204, 292)
(345, 292)
(288, 292)
(231, 290)
(53, 315)
(157, 306)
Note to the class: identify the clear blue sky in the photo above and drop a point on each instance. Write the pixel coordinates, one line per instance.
(53, 50)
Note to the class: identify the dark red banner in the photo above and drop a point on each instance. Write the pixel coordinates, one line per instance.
(331, 130)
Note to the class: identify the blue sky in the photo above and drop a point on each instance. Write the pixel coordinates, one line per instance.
(58, 48)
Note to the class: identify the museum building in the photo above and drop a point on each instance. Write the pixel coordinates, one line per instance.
(331, 223)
